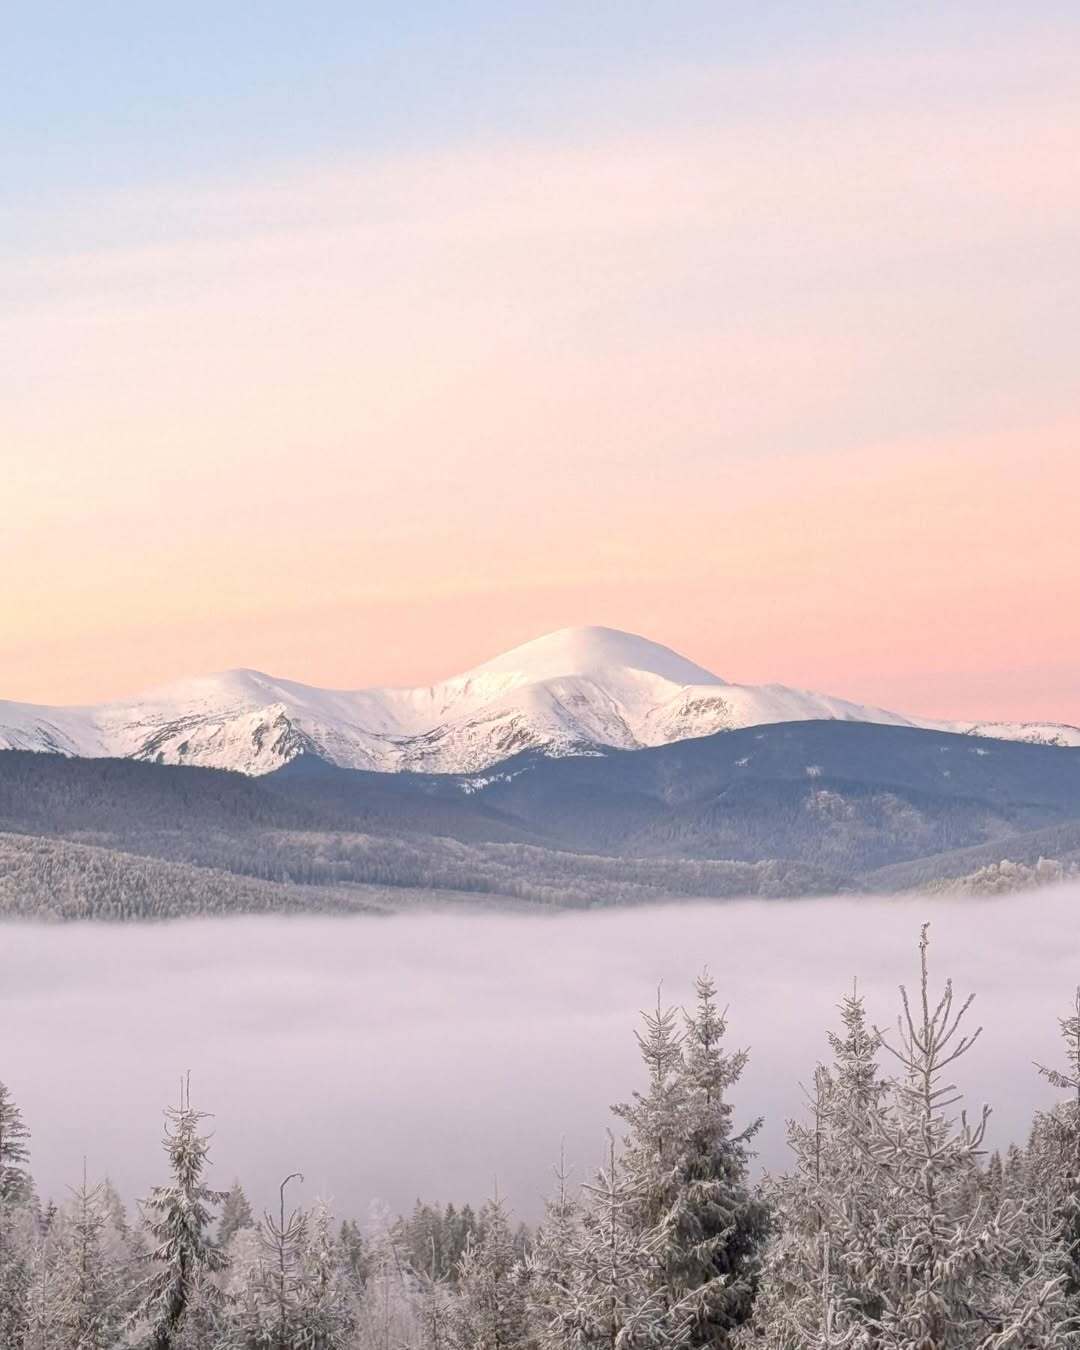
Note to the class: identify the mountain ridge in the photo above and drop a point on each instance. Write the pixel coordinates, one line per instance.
(572, 692)
(788, 809)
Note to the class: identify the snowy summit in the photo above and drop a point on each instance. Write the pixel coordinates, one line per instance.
(575, 691)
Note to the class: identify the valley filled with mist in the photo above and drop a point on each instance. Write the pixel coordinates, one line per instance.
(450, 1124)
(430, 1055)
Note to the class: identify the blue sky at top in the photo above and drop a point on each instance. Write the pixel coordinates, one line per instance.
(120, 92)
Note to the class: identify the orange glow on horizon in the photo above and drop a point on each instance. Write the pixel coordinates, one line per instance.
(794, 395)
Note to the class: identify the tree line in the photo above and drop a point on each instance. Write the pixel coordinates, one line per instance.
(892, 1228)
(273, 873)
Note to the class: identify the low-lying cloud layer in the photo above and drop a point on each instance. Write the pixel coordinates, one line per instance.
(429, 1055)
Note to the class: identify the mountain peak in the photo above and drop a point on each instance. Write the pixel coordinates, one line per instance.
(589, 650)
(570, 692)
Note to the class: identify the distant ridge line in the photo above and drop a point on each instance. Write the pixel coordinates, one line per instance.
(575, 691)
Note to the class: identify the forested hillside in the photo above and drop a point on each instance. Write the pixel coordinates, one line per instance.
(792, 809)
(891, 1227)
(278, 872)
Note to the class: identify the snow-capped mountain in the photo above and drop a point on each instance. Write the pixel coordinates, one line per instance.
(1035, 733)
(576, 691)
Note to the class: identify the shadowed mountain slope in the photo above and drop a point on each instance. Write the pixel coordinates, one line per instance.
(824, 804)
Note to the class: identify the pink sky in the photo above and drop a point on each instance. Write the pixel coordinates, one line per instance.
(794, 394)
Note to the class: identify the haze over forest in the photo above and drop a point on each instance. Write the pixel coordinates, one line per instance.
(428, 1055)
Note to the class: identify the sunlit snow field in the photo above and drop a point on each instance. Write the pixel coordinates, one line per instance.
(429, 1055)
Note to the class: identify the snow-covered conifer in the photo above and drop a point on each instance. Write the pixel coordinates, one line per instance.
(388, 1314)
(15, 1195)
(434, 1303)
(460, 1226)
(1014, 1173)
(236, 1213)
(268, 1285)
(179, 1299)
(818, 1282)
(14, 1152)
(1054, 1158)
(550, 1259)
(490, 1312)
(1047, 1174)
(993, 1179)
(47, 1308)
(354, 1252)
(948, 1273)
(432, 1295)
(88, 1278)
(686, 1173)
(288, 1288)
(282, 1241)
(654, 1121)
(327, 1305)
(613, 1302)
(713, 1225)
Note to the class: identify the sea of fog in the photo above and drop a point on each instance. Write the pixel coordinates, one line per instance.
(431, 1055)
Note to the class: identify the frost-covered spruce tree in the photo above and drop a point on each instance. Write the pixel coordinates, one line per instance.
(88, 1279)
(14, 1152)
(242, 1286)
(1047, 1176)
(818, 1286)
(388, 1314)
(354, 1252)
(490, 1310)
(267, 1307)
(1053, 1159)
(713, 1224)
(46, 1305)
(612, 1301)
(15, 1194)
(1014, 1173)
(236, 1213)
(993, 1179)
(654, 1118)
(327, 1311)
(460, 1226)
(15, 1278)
(788, 1306)
(114, 1209)
(949, 1275)
(434, 1307)
(428, 1250)
(627, 1205)
(550, 1260)
(179, 1300)
(429, 1241)
(282, 1242)
(852, 1199)
(688, 1174)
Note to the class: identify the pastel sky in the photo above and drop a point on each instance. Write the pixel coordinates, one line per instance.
(358, 342)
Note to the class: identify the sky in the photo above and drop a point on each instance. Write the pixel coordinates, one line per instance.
(429, 1055)
(357, 343)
